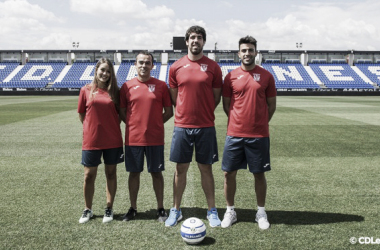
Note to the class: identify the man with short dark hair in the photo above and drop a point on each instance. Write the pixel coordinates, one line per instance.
(195, 87)
(249, 100)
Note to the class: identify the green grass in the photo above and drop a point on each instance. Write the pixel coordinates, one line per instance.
(323, 188)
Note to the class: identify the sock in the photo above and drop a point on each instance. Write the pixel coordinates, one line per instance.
(230, 208)
(260, 210)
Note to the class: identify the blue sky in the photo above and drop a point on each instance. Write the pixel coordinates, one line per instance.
(148, 24)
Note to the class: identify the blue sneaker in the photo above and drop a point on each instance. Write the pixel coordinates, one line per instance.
(213, 218)
(174, 216)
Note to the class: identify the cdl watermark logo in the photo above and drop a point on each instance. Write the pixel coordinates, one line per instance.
(365, 240)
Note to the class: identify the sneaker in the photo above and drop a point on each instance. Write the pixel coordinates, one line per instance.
(130, 215)
(213, 218)
(162, 215)
(108, 215)
(174, 216)
(229, 219)
(86, 216)
(262, 220)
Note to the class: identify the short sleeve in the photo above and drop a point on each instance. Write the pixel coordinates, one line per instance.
(123, 98)
(166, 100)
(218, 79)
(227, 91)
(82, 101)
(172, 77)
(271, 90)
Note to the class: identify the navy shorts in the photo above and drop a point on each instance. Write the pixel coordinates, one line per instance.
(111, 156)
(134, 158)
(184, 140)
(238, 152)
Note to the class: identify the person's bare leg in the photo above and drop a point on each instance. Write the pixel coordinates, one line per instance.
(208, 185)
(230, 187)
(133, 186)
(89, 185)
(158, 186)
(110, 172)
(179, 183)
(260, 188)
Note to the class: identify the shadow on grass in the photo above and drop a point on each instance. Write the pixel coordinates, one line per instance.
(141, 215)
(152, 215)
(299, 217)
(311, 218)
(248, 215)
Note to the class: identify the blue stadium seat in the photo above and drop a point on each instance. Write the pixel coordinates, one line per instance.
(36, 75)
(80, 74)
(371, 70)
(339, 76)
(6, 68)
(290, 75)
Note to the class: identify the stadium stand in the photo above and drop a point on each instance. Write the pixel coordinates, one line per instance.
(6, 69)
(122, 73)
(370, 70)
(156, 70)
(35, 75)
(319, 61)
(79, 74)
(290, 75)
(170, 63)
(227, 67)
(339, 76)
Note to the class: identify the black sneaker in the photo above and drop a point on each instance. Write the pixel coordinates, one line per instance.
(162, 215)
(130, 215)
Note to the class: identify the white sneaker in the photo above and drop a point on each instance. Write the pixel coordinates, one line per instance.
(262, 220)
(108, 215)
(229, 219)
(86, 216)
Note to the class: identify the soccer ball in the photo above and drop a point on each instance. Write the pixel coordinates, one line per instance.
(193, 230)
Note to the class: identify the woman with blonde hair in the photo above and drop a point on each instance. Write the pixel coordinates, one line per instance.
(98, 108)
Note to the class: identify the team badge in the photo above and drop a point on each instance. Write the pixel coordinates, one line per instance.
(151, 87)
(256, 77)
(204, 67)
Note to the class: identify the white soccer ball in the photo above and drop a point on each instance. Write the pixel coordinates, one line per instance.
(193, 230)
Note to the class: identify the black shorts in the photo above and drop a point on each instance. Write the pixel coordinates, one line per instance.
(185, 139)
(111, 156)
(134, 158)
(238, 152)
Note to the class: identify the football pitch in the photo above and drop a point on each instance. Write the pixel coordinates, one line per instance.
(323, 190)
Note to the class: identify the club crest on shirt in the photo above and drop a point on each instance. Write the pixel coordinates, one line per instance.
(151, 87)
(256, 77)
(204, 67)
